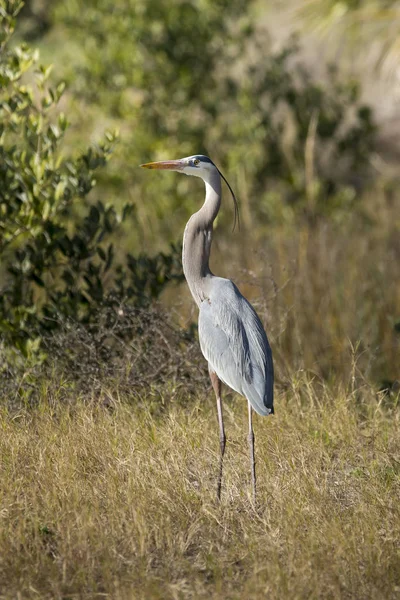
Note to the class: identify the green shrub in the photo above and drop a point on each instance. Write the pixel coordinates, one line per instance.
(57, 258)
(186, 77)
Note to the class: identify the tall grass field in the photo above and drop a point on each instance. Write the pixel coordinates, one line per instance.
(102, 500)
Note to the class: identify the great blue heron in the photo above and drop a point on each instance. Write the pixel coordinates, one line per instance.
(232, 338)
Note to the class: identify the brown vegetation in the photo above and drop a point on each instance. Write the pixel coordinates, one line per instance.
(111, 501)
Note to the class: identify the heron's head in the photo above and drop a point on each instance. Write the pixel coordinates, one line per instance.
(197, 165)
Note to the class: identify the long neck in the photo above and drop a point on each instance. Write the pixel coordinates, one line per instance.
(197, 240)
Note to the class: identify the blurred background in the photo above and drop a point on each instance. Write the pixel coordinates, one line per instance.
(296, 102)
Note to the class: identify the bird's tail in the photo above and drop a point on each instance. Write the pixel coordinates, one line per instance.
(262, 403)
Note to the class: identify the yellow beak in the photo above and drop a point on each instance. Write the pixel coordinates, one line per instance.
(171, 165)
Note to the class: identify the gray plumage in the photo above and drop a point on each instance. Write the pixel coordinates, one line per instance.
(232, 337)
(233, 341)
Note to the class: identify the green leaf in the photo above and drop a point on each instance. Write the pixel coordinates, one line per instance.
(101, 253)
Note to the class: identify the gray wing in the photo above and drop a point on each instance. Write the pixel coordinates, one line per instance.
(233, 341)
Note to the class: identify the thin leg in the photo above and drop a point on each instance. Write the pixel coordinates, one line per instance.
(251, 447)
(216, 383)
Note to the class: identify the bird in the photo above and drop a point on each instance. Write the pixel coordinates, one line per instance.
(231, 335)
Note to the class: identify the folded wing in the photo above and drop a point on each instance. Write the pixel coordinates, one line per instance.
(233, 341)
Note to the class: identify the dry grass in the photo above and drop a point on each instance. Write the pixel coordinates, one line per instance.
(120, 503)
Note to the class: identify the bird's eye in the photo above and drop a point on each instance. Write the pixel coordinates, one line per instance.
(196, 162)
